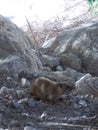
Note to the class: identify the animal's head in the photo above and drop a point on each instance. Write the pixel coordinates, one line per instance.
(65, 87)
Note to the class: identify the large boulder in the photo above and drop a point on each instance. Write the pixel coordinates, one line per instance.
(87, 85)
(77, 48)
(16, 50)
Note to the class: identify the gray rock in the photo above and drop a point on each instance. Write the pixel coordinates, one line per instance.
(87, 85)
(48, 43)
(85, 128)
(81, 86)
(76, 106)
(11, 97)
(59, 76)
(77, 47)
(46, 68)
(70, 60)
(43, 115)
(16, 50)
(77, 113)
(50, 61)
(25, 82)
(29, 128)
(20, 93)
(18, 105)
(59, 68)
(73, 73)
(4, 90)
(31, 102)
(23, 101)
(83, 103)
(87, 110)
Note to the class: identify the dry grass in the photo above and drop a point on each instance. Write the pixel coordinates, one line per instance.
(41, 32)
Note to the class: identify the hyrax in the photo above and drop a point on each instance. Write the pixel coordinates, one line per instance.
(49, 90)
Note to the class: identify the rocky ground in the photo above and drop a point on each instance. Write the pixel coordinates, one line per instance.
(72, 57)
(20, 111)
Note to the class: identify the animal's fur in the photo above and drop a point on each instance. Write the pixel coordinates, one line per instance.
(49, 90)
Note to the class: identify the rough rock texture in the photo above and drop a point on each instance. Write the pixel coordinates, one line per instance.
(87, 85)
(16, 50)
(20, 111)
(77, 110)
(77, 48)
(50, 61)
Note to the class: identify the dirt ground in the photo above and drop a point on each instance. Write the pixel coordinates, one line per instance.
(19, 110)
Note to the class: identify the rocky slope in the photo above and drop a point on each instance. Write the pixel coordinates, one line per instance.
(70, 57)
(17, 50)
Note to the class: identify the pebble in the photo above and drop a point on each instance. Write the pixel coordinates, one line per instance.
(9, 78)
(11, 97)
(3, 90)
(77, 113)
(86, 129)
(23, 101)
(25, 82)
(43, 115)
(76, 106)
(20, 93)
(83, 103)
(18, 105)
(31, 102)
(29, 128)
(46, 68)
(59, 68)
(87, 110)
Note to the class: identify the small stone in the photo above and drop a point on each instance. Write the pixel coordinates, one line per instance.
(85, 129)
(59, 68)
(18, 105)
(9, 78)
(43, 115)
(20, 93)
(25, 82)
(77, 113)
(50, 61)
(87, 110)
(31, 102)
(46, 68)
(29, 128)
(11, 97)
(3, 90)
(83, 103)
(76, 106)
(24, 100)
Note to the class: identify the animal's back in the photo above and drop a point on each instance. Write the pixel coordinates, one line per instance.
(46, 89)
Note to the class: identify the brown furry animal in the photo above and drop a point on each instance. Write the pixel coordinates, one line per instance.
(49, 90)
